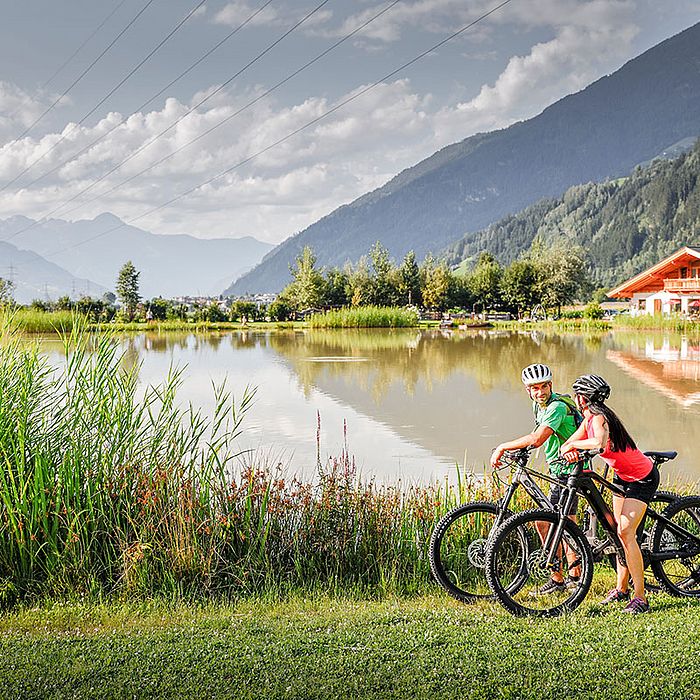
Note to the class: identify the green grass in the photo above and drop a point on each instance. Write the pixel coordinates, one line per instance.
(35, 321)
(423, 647)
(657, 321)
(563, 324)
(366, 317)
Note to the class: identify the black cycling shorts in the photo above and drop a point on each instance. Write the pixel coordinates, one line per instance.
(555, 495)
(642, 490)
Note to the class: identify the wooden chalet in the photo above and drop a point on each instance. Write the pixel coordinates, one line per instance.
(672, 286)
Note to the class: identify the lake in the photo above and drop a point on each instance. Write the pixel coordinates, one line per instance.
(415, 404)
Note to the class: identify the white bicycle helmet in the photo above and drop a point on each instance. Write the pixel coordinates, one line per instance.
(536, 374)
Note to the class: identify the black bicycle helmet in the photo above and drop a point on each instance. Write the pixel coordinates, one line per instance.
(593, 387)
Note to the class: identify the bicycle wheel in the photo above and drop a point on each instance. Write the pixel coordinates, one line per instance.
(519, 539)
(680, 575)
(457, 547)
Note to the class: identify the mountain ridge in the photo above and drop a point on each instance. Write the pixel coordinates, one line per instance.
(603, 131)
(170, 264)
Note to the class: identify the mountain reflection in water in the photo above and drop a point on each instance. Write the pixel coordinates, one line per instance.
(418, 403)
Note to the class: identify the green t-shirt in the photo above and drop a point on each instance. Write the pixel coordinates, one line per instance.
(558, 417)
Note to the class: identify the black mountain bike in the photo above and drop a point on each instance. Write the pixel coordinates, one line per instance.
(519, 562)
(458, 543)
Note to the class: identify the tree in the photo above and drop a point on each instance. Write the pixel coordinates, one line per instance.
(485, 282)
(337, 287)
(435, 287)
(360, 283)
(307, 291)
(279, 309)
(562, 275)
(6, 288)
(128, 289)
(519, 286)
(409, 280)
(160, 308)
(383, 288)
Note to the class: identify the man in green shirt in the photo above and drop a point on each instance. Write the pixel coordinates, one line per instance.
(556, 419)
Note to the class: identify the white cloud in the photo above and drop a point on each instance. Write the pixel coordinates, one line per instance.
(596, 41)
(235, 13)
(354, 150)
(284, 189)
(19, 109)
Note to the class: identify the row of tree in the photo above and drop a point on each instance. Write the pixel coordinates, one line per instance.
(547, 276)
(550, 276)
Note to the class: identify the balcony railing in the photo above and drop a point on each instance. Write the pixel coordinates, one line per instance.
(691, 284)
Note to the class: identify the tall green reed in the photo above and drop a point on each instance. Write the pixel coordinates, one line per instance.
(109, 488)
(366, 317)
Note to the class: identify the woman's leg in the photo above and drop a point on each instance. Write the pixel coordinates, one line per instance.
(631, 514)
(623, 573)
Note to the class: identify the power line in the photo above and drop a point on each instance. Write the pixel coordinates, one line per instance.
(223, 121)
(86, 71)
(108, 95)
(101, 137)
(153, 139)
(46, 83)
(334, 109)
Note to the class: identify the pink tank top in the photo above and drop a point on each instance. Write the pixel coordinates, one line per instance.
(630, 465)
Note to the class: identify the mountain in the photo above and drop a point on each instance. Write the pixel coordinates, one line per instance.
(625, 225)
(604, 131)
(170, 265)
(37, 278)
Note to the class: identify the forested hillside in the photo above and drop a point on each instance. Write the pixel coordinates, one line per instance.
(646, 107)
(625, 225)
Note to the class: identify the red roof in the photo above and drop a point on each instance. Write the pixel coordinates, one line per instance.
(653, 278)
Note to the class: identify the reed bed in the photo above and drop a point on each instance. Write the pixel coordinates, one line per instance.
(37, 321)
(109, 489)
(658, 322)
(366, 317)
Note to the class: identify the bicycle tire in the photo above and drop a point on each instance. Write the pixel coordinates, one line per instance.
(456, 556)
(679, 576)
(503, 545)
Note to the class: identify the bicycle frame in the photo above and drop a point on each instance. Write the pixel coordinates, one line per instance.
(522, 476)
(583, 483)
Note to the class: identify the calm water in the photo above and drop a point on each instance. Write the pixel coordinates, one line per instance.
(418, 403)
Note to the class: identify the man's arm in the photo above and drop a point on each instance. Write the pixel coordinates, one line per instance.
(535, 439)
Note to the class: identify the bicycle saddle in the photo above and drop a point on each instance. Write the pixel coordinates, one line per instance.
(661, 457)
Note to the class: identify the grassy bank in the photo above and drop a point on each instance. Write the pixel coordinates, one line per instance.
(425, 647)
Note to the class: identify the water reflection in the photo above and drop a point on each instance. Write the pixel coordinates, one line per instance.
(419, 402)
(669, 365)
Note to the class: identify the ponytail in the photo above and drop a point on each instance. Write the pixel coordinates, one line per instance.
(620, 439)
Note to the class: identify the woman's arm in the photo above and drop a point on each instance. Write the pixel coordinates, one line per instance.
(578, 435)
(597, 441)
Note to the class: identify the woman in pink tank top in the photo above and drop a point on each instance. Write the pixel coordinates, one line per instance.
(635, 474)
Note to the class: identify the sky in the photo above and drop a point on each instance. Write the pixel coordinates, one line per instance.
(92, 94)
